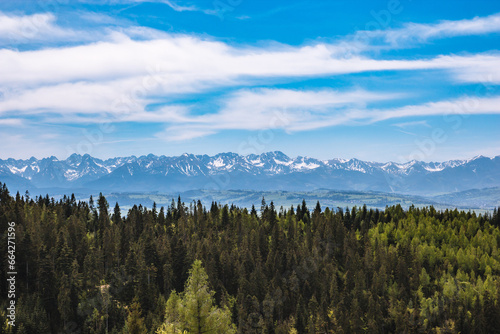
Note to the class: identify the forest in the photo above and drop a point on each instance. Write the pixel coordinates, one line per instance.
(86, 267)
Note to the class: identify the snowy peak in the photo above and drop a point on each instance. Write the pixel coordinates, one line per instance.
(305, 163)
(253, 171)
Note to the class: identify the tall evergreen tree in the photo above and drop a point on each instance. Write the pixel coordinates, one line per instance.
(194, 311)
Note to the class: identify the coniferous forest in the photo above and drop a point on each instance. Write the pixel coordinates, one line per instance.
(88, 267)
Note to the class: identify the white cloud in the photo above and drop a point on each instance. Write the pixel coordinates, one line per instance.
(412, 33)
(296, 111)
(126, 75)
(291, 110)
(475, 26)
(175, 5)
(457, 107)
(199, 60)
(11, 122)
(405, 125)
(29, 28)
(43, 29)
(63, 98)
(485, 70)
(180, 8)
(134, 67)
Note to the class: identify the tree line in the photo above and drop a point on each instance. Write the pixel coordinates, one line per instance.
(85, 268)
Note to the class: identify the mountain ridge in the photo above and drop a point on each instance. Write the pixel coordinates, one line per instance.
(267, 171)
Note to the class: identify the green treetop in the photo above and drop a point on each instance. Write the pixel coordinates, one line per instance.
(194, 311)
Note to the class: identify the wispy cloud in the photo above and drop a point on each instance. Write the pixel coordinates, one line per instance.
(28, 28)
(92, 78)
(178, 6)
(43, 31)
(405, 125)
(412, 34)
(461, 106)
(190, 8)
(298, 111)
(11, 122)
(122, 72)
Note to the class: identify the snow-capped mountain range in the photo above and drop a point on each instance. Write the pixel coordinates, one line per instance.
(267, 171)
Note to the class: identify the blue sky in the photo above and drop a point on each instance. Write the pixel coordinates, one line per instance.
(392, 80)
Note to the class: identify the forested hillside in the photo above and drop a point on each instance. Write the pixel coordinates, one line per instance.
(84, 267)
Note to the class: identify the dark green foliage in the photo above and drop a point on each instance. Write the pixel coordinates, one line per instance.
(82, 268)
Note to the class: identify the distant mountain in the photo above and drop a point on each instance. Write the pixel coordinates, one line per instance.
(473, 198)
(265, 172)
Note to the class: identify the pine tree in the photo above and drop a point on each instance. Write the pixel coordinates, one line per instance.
(117, 214)
(194, 311)
(253, 212)
(135, 322)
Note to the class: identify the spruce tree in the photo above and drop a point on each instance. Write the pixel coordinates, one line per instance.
(194, 311)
